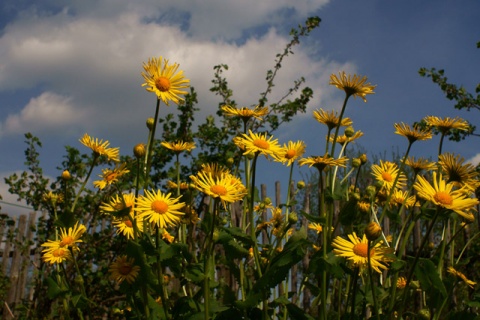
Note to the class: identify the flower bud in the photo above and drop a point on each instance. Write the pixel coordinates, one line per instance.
(66, 175)
(300, 185)
(230, 161)
(150, 123)
(349, 131)
(373, 231)
(371, 191)
(292, 218)
(139, 150)
(424, 314)
(363, 158)
(379, 184)
(267, 201)
(356, 162)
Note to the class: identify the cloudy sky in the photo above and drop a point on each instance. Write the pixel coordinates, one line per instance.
(70, 67)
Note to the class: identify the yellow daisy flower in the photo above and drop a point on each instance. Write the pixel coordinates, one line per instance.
(315, 226)
(100, 147)
(226, 187)
(167, 237)
(355, 85)
(323, 162)
(401, 282)
(330, 119)
(125, 227)
(52, 198)
(399, 197)
(342, 139)
(420, 164)
(164, 80)
(456, 171)
(160, 209)
(179, 146)
(258, 143)
(459, 274)
(446, 124)
(355, 250)
(363, 206)
(412, 134)
(387, 172)
(173, 185)
(110, 176)
(56, 255)
(124, 268)
(215, 169)
(245, 113)
(442, 194)
(117, 203)
(290, 152)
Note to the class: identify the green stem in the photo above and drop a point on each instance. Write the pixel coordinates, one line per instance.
(163, 289)
(372, 284)
(82, 187)
(151, 140)
(334, 142)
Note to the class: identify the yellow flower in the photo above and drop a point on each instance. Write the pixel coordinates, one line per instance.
(412, 134)
(164, 80)
(226, 187)
(442, 194)
(258, 143)
(420, 164)
(323, 162)
(387, 172)
(160, 209)
(352, 85)
(125, 225)
(355, 250)
(342, 139)
(459, 274)
(291, 152)
(456, 171)
(315, 226)
(401, 282)
(446, 124)
(118, 204)
(111, 176)
(100, 147)
(53, 198)
(123, 268)
(363, 206)
(179, 146)
(330, 119)
(56, 254)
(167, 237)
(173, 185)
(245, 113)
(400, 197)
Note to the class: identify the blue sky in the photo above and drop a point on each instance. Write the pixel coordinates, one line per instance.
(70, 67)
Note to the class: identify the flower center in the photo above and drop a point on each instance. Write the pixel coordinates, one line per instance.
(159, 206)
(162, 84)
(361, 249)
(66, 241)
(125, 269)
(59, 253)
(219, 190)
(118, 206)
(110, 177)
(128, 223)
(262, 144)
(443, 198)
(290, 154)
(387, 177)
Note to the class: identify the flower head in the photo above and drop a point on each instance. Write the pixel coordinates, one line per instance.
(159, 208)
(110, 176)
(330, 119)
(245, 113)
(352, 85)
(290, 152)
(100, 147)
(164, 80)
(387, 173)
(355, 250)
(123, 268)
(456, 171)
(420, 164)
(442, 195)
(56, 254)
(342, 139)
(315, 226)
(323, 162)
(412, 134)
(125, 225)
(258, 143)
(446, 124)
(226, 187)
(459, 274)
(179, 146)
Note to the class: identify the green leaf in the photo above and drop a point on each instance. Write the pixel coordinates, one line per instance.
(427, 274)
(313, 218)
(54, 290)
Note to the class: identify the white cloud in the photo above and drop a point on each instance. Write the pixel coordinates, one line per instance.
(10, 204)
(49, 111)
(475, 160)
(90, 67)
